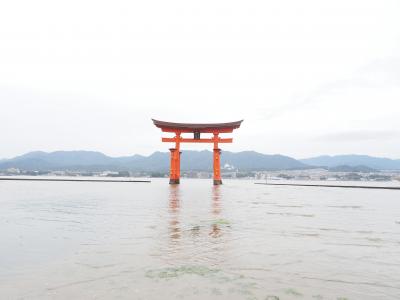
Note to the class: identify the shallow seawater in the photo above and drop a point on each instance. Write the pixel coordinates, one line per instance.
(79, 240)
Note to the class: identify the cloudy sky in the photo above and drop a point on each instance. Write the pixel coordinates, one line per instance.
(308, 77)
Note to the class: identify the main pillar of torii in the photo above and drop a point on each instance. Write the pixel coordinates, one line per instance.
(196, 129)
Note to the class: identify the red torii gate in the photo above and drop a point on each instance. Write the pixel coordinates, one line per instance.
(196, 129)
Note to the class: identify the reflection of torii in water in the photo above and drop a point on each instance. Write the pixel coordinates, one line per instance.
(216, 210)
(193, 243)
(174, 208)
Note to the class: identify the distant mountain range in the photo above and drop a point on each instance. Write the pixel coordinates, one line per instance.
(191, 160)
(353, 160)
(158, 161)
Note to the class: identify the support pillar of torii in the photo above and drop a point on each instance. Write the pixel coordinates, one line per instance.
(196, 129)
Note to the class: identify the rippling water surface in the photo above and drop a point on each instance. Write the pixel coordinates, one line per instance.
(75, 240)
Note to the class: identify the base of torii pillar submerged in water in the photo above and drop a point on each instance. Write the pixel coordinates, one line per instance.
(214, 129)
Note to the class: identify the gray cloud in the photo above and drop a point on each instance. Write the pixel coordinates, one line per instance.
(387, 71)
(380, 73)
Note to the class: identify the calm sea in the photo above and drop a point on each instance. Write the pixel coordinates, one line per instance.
(77, 240)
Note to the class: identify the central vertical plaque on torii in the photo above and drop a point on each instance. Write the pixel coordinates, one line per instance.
(197, 129)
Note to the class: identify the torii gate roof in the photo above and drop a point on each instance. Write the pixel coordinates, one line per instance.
(197, 127)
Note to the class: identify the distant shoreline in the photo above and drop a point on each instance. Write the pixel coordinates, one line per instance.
(334, 186)
(70, 180)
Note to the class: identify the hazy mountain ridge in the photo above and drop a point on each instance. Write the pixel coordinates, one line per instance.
(158, 161)
(191, 160)
(353, 160)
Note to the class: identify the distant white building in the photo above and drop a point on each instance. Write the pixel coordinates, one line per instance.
(228, 167)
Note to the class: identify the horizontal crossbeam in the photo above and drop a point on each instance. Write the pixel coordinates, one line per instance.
(202, 130)
(183, 140)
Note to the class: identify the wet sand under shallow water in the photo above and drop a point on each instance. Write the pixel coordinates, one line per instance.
(67, 240)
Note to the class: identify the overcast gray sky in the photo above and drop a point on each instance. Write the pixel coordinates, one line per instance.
(308, 77)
